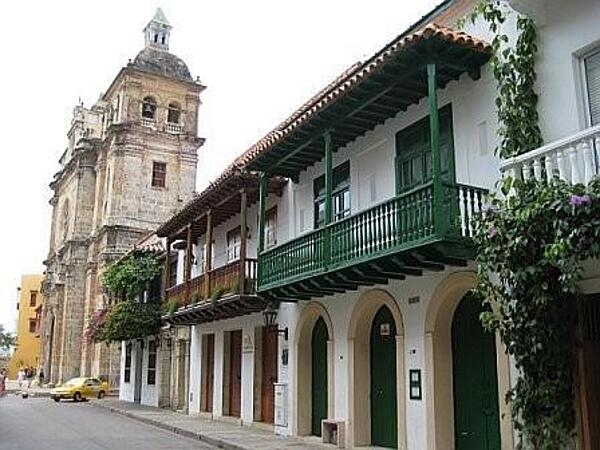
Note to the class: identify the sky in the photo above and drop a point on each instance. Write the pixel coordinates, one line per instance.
(260, 60)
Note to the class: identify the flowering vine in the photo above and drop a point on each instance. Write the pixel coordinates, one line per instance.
(513, 66)
(530, 247)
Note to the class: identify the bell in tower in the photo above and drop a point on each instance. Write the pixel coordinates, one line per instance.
(157, 31)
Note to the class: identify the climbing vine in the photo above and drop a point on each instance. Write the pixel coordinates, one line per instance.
(530, 246)
(513, 66)
(126, 278)
(130, 320)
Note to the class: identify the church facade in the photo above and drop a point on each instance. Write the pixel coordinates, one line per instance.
(130, 163)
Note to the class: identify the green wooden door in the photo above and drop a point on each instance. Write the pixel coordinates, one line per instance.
(319, 375)
(384, 413)
(414, 166)
(476, 416)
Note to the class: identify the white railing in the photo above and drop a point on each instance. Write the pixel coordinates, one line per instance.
(147, 123)
(173, 128)
(574, 159)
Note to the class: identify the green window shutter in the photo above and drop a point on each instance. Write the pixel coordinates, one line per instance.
(340, 195)
(592, 76)
(414, 165)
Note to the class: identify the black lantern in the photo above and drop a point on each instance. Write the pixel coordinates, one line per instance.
(270, 315)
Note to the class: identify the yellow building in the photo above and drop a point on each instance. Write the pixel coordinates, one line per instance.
(27, 350)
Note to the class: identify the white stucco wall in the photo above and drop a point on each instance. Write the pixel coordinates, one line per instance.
(568, 31)
(371, 156)
(248, 325)
(220, 231)
(340, 308)
(149, 393)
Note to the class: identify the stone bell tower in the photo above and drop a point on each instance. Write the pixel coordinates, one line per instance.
(130, 169)
(158, 31)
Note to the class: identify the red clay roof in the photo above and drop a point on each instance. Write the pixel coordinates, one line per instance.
(355, 75)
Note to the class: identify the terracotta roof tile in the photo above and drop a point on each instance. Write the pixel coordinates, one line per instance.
(355, 75)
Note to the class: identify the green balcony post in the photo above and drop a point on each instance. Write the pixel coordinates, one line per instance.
(263, 181)
(434, 126)
(262, 208)
(328, 180)
(328, 195)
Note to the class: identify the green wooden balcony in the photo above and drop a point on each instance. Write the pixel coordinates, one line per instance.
(398, 237)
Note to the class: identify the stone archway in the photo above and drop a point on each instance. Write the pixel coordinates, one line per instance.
(439, 370)
(359, 335)
(302, 345)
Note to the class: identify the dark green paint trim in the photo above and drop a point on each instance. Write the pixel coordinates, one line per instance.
(434, 128)
(384, 403)
(319, 390)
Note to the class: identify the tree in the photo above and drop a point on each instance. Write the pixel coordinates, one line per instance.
(7, 339)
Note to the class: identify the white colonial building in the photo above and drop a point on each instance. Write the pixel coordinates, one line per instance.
(346, 312)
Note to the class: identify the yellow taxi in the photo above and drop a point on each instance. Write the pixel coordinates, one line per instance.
(79, 389)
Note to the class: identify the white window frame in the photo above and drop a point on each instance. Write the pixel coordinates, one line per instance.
(234, 245)
(584, 83)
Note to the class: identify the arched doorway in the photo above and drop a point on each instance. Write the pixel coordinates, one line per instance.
(319, 375)
(439, 318)
(376, 397)
(313, 395)
(475, 380)
(384, 407)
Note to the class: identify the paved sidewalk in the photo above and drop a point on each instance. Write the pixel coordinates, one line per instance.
(35, 390)
(214, 432)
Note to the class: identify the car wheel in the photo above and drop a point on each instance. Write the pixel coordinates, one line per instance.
(101, 394)
(77, 397)
(56, 399)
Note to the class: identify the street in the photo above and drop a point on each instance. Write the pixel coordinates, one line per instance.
(40, 423)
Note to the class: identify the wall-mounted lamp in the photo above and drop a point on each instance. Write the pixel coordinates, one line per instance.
(270, 316)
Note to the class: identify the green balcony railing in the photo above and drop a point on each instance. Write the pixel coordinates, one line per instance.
(397, 224)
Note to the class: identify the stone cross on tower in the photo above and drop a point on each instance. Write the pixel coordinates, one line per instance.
(157, 31)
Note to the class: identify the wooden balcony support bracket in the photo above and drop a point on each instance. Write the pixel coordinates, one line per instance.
(208, 253)
(419, 260)
(187, 273)
(440, 258)
(241, 287)
(434, 126)
(368, 276)
(335, 281)
(352, 279)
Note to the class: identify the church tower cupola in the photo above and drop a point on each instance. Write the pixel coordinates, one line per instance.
(157, 31)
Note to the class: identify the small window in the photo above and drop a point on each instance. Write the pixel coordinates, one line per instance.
(149, 108)
(127, 374)
(163, 40)
(32, 298)
(592, 82)
(173, 272)
(340, 195)
(151, 378)
(173, 113)
(234, 241)
(271, 227)
(156, 38)
(159, 174)
(32, 325)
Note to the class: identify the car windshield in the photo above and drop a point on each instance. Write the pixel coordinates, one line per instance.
(74, 382)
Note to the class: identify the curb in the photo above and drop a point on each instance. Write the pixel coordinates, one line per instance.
(220, 443)
(31, 394)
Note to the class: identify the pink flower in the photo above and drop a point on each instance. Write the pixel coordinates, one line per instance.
(580, 200)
